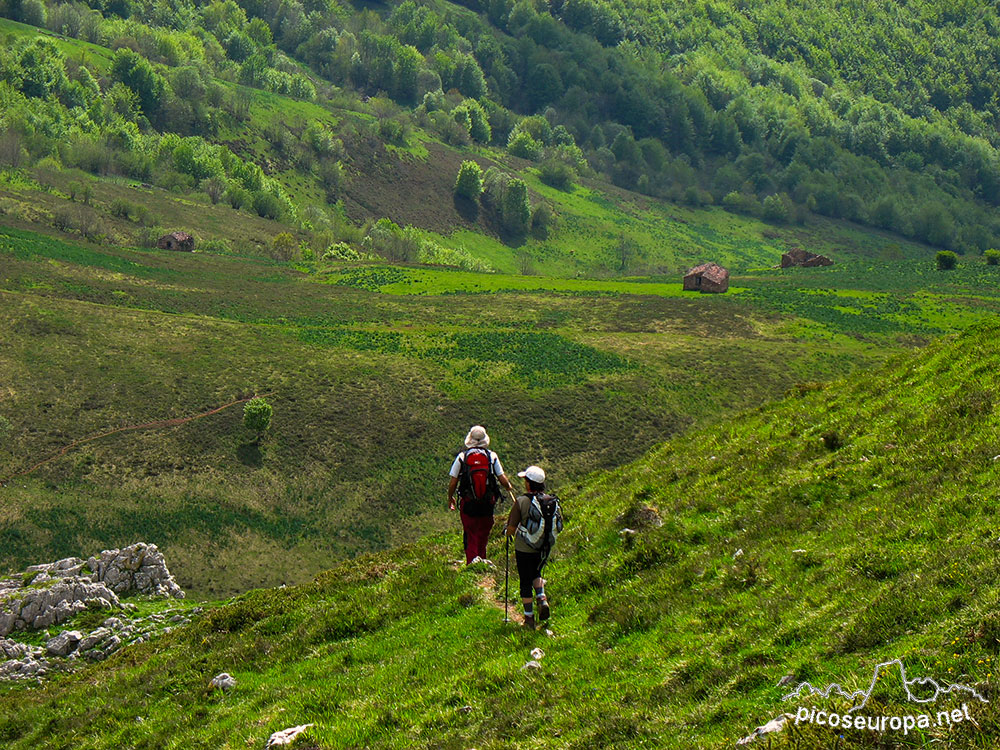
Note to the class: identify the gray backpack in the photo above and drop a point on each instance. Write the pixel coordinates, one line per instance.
(543, 524)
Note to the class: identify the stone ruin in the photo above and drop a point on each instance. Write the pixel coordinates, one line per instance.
(803, 259)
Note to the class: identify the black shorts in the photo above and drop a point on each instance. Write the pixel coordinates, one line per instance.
(529, 567)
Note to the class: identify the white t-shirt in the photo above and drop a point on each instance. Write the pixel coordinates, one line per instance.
(457, 466)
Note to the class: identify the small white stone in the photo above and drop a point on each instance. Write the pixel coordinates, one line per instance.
(223, 681)
(287, 736)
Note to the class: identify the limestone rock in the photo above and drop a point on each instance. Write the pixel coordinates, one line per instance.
(36, 608)
(774, 725)
(51, 593)
(531, 665)
(64, 643)
(13, 650)
(287, 736)
(537, 653)
(138, 568)
(94, 638)
(224, 682)
(26, 667)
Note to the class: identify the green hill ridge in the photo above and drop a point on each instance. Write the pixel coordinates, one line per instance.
(845, 525)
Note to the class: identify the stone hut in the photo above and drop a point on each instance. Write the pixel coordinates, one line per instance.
(708, 277)
(176, 241)
(799, 257)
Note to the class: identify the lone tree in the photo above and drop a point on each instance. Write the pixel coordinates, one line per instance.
(257, 416)
(992, 257)
(469, 183)
(946, 260)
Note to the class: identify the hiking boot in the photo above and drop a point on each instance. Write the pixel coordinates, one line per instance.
(529, 622)
(543, 609)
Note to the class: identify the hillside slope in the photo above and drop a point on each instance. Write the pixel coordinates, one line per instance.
(844, 526)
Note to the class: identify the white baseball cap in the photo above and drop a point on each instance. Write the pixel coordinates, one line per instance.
(534, 473)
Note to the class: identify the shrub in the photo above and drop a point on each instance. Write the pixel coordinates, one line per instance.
(543, 221)
(433, 254)
(556, 173)
(478, 124)
(220, 247)
(284, 246)
(333, 177)
(214, 187)
(692, 195)
(392, 131)
(267, 205)
(776, 209)
(946, 260)
(238, 197)
(522, 144)
(33, 13)
(469, 183)
(257, 416)
(392, 242)
(515, 208)
(121, 208)
(341, 251)
(992, 257)
(148, 236)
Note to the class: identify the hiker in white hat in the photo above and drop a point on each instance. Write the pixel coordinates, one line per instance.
(534, 521)
(477, 475)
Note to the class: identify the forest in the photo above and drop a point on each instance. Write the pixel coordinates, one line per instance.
(778, 111)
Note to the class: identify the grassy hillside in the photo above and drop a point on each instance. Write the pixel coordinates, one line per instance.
(846, 525)
(375, 372)
(372, 393)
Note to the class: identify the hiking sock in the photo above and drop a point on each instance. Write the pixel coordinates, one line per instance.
(540, 593)
(529, 611)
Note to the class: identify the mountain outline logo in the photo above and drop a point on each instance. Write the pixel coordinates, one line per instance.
(939, 689)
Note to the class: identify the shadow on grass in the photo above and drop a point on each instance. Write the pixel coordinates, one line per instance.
(250, 454)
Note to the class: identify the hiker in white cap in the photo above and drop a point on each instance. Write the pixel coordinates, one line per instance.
(534, 521)
(478, 476)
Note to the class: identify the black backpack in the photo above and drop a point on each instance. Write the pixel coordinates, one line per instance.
(477, 484)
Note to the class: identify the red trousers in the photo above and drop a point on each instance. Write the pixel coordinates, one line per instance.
(477, 532)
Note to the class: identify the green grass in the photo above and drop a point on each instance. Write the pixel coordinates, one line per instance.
(863, 510)
(95, 56)
(378, 361)
(97, 338)
(432, 281)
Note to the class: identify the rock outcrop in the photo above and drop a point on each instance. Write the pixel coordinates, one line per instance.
(20, 661)
(138, 568)
(38, 608)
(49, 594)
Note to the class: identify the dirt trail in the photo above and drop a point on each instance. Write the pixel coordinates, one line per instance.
(487, 582)
(159, 424)
(514, 608)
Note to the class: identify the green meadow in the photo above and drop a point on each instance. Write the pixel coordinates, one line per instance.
(845, 525)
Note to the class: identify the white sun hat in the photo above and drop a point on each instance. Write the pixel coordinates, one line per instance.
(477, 438)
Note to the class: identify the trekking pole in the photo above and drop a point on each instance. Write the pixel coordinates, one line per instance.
(506, 567)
